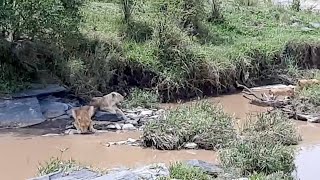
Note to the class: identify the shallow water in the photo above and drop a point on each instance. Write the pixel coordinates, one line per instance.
(21, 151)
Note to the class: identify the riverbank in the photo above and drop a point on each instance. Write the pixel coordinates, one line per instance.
(254, 44)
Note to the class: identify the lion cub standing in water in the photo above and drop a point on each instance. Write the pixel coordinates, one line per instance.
(109, 103)
(82, 119)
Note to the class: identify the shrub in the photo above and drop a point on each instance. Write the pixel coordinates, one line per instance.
(202, 123)
(273, 126)
(43, 20)
(253, 154)
(185, 172)
(274, 176)
(142, 98)
(311, 94)
(56, 164)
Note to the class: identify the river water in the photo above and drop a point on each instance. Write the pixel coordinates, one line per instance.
(22, 151)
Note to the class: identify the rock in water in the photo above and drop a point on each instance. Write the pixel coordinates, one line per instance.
(151, 172)
(83, 174)
(20, 112)
(209, 168)
(107, 116)
(37, 91)
(128, 127)
(191, 145)
(53, 109)
(146, 113)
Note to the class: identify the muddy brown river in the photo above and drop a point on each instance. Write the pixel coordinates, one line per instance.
(21, 153)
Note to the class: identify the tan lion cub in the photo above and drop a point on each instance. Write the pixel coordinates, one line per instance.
(289, 92)
(302, 83)
(82, 119)
(109, 103)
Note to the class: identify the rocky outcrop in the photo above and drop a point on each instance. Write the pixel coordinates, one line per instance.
(20, 112)
(50, 107)
(150, 172)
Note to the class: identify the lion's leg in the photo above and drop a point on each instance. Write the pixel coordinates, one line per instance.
(121, 113)
(91, 128)
(76, 125)
(108, 109)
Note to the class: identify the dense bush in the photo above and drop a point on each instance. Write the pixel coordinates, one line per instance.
(274, 127)
(202, 123)
(257, 155)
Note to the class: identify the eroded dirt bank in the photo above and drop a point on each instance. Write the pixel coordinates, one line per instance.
(21, 151)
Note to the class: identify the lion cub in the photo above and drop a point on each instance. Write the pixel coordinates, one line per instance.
(82, 119)
(109, 103)
(289, 92)
(302, 83)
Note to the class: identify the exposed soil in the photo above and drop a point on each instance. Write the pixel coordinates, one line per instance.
(23, 149)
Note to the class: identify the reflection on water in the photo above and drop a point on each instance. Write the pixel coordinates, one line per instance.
(308, 162)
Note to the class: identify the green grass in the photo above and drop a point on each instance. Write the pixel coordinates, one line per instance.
(252, 155)
(56, 164)
(264, 150)
(201, 123)
(273, 126)
(249, 40)
(185, 172)
(312, 94)
(138, 97)
(252, 40)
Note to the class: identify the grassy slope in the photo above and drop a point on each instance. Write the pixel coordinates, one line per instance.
(249, 35)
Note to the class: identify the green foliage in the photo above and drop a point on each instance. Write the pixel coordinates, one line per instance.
(263, 149)
(185, 172)
(56, 164)
(273, 126)
(89, 69)
(311, 94)
(257, 155)
(202, 123)
(142, 98)
(274, 176)
(47, 19)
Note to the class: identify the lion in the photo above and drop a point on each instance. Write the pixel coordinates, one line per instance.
(109, 103)
(82, 117)
(304, 83)
(289, 92)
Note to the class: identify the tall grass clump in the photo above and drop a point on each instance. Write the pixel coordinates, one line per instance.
(56, 164)
(255, 155)
(264, 147)
(272, 126)
(201, 123)
(185, 172)
(311, 94)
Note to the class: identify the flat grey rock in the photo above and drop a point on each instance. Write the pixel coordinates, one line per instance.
(83, 174)
(107, 116)
(37, 91)
(209, 168)
(153, 171)
(150, 172)
(121, 175)
(20, 112)
(52, 109)
(128, 127)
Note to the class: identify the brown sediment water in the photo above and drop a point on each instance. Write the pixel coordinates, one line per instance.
(22, 151)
